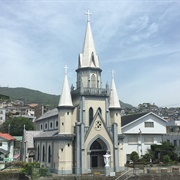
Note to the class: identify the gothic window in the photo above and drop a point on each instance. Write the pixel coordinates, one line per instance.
(38, 153)
(49, 154)
(43, 154)
(95, 145)
(51, 125)
(93, 81)
(90, 115)
(100, 110)
(56, 123)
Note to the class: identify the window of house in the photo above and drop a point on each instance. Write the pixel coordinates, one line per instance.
(93, 81)
(148, 140)
(46, 126)
(100, 110)
(51, 125)
(1, 112)
(38, 154)
(0, 143)
(148, 124)
(41, 126)
(90, 115)
(49, 154)
(132, 140)
(43, 154)
(67, 113)
(56, 123)
(175, 142)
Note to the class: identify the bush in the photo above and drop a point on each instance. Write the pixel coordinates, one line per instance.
(134, 156)
(166, 159)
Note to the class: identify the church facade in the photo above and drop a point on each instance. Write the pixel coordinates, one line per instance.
(86, 124)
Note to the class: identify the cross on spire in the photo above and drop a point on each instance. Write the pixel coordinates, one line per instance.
(65, 69)
(112, 73)
(88, 15)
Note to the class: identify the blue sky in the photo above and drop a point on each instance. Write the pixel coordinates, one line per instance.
(139, 40)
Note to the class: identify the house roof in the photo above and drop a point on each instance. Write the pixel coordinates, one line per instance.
(126, 120)
(130, 118)
(6, 136)
(18, 138)
(4, 151)
(50, 113)
(46, 134)
(29, 135)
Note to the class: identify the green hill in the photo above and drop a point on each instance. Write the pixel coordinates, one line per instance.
(33, 96)
(30, 96)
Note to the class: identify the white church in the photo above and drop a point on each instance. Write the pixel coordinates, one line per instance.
(74, 137)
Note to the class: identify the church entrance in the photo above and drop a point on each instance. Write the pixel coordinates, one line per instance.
(98, 149)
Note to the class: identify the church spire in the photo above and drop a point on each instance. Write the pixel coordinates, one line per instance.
(65, 99)
(113, 98)
(88, 57)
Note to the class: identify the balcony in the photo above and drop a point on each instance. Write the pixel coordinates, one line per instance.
(91, 92)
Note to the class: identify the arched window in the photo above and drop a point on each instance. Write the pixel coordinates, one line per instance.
(90, 115)
(56, 123)
(93, 81)
(100, 110)
(51, 125)
(38, 154)
(43, 154)
(49, 154)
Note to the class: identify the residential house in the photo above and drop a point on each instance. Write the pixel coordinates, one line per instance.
(140, 131)
(6, 148)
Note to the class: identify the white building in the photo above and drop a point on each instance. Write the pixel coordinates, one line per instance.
(140, 131)
(6, 148)
(2, 115)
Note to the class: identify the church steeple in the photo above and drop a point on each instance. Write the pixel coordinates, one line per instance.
(65, 99)
(113, 98)
(88, 57)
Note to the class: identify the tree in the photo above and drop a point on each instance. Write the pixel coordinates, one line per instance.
(166, 148)
(166, 159)
(15, 126)
(134, 156)
(149, 156)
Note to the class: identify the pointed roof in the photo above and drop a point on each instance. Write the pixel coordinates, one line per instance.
(88, 57)
(113, 98)
(65, 99)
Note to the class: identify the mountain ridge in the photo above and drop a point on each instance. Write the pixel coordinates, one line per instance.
(35, 96)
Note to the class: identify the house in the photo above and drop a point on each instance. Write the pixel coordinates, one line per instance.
(173, 134)
(2, 115)
(6, 148)
(140, 131)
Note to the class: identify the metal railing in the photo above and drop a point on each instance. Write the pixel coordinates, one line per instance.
(125, 175)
